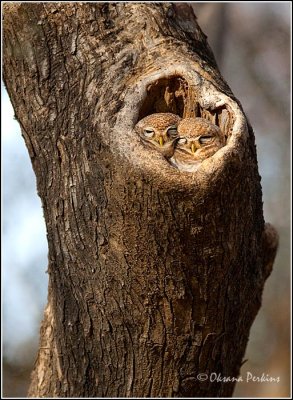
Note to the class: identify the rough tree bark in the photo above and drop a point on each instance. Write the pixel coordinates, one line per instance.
(155, 275)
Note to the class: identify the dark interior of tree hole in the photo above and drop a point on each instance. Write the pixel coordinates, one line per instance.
(173, 95)
(165, 95)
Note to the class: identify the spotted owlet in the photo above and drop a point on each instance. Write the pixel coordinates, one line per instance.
(198, 140)
(159, 131)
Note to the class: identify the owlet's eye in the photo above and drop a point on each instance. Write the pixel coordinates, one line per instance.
(205, 139)
(149, 133)
(182, 141)
(172, 132)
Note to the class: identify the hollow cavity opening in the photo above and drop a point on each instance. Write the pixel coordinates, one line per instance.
(173, 95)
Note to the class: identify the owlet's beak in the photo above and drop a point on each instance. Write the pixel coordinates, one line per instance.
(161, 141)
(193, 148)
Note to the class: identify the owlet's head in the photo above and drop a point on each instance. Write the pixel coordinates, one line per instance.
(199, 138)
(159, 131)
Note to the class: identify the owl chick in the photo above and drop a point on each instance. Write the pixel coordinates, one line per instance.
(159, 131)
(199, 139)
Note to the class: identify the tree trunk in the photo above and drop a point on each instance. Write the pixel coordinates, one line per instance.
(155, 275)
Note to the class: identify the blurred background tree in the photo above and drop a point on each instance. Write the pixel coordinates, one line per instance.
(251, 43)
